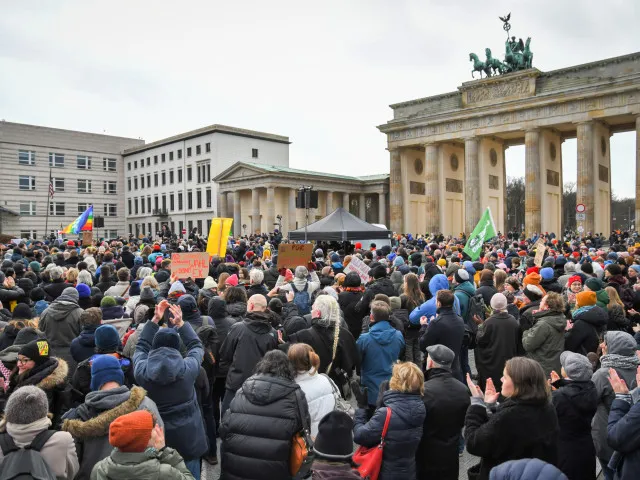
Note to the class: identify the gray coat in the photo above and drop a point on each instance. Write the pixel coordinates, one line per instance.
(544, 342)
(60, 322)
(89, 423)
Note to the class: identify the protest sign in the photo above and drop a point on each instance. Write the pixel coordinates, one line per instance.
(540, 249)
(219, 236)
(358, 266)
(194, 265)
(290, 255)
(87, 239)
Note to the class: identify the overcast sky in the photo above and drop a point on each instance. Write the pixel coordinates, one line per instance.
(322, 73)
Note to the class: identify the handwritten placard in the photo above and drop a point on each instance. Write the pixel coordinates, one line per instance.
(193, 265)
(540, 249)
(291, 255)
(87, 239)
(358, 266)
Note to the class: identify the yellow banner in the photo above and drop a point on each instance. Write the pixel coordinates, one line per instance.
(219, 236)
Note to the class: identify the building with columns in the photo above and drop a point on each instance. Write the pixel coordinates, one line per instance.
(447, 152)
(255, 194)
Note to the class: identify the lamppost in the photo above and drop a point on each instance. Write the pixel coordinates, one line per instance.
(279, 222)
(307, 200)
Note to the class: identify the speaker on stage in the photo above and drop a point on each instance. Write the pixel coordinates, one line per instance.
(98, 222)
(313, 199)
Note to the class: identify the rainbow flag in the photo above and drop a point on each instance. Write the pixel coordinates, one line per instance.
(84, 223)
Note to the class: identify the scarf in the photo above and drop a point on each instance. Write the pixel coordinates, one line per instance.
(612, 360)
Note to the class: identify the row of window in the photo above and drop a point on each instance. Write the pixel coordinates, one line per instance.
(28, 182)
(145, 228)
(56, 160)
(160, 178)
(58, 209)
(33, 234)
(137, 206)
(163, 156)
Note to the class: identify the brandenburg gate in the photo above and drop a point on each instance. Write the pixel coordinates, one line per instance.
(447, 152)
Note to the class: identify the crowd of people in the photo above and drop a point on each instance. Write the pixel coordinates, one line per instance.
(113, 367)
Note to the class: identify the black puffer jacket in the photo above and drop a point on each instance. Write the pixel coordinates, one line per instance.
(588, 323)
(487, 290)
(217, 310)
(382, 285)
(403, 436)
(347, 301)
(271, 277)
(576, 404)
(292, 321)
(518, 429)
(258, 427)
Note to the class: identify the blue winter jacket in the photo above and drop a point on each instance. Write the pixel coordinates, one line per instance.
(624, 438)
(526, 469)
(169, 381)
(84, 345)
(403, 435)
(379, 349)
(428, 308)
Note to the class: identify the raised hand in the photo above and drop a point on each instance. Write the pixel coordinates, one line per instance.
(554, 376)
(476, 391)
(617, 384)
(176, 313)
(360, 393)
(159, 312)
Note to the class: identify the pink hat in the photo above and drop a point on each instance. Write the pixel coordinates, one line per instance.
(159, 260)
(232, 281)
(288, 276)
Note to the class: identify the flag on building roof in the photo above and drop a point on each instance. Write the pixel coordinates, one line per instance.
(84, 223)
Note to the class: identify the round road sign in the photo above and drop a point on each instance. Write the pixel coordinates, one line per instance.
(580, 208)
(184, 231)
(580, 228)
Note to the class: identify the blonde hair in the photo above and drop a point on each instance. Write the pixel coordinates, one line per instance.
(499, 277)
(72, 275)
(149, 282)
(614, 298)
(329, 315)
(407, 378)
(303, 358)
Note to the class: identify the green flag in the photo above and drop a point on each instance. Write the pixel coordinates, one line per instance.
(485, 229)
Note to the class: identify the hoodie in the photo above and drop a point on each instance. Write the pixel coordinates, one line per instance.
(428, 308)
(379, 349)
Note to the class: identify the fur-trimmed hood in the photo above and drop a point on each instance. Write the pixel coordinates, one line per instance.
(98, 426)
(57, 377)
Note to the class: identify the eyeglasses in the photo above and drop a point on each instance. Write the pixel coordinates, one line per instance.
(24, 360)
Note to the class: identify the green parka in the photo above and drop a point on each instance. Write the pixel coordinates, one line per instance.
(167, 464)
(544, 342)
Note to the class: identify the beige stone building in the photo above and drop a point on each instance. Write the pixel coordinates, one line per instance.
(447, 152)
(254, 195)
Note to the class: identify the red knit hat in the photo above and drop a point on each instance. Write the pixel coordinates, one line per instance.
(70, 243)
(533, 270)
(131, 432)
(358, 246)
(249, 254)
(232, 281)
(156, 248)
(573, 279)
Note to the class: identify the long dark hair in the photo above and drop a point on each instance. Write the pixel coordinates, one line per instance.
(277, 364)
(411, 290)
(529, 381)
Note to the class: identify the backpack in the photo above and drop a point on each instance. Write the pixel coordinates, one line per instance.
(301, 299)
(25, 463)
(477, 307)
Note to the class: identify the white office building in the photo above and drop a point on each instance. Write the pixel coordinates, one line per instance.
(170, 181)
(86, 169)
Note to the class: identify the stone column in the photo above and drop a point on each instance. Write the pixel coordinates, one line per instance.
(222, 207)
(472, 207)
(255, 211)
(271, 208)
(505, 226)
(345, 201)
(292, 214)
(362, 207)
(585, 192)
(432, 154)
(329, 203)
(637, 173)
(532, 185)
(382, 208)
(395, 191)
(237, 215)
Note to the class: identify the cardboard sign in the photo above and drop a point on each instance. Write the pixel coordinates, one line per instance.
(358, 266)
(219, 236)
(194, 265)
(87, 239)
(291, 255)
(540, 250)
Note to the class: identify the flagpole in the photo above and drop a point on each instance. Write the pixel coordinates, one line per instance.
(46, 222)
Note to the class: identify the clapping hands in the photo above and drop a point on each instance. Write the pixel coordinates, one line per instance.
(490, 395)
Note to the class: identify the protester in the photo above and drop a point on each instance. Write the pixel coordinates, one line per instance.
(402, 400)
(333, 448)
(83, 346)
(544, 341)
(588, 321)
(623, 434)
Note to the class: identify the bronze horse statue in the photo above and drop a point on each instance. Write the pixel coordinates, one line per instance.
(479, 66)
(493, 63)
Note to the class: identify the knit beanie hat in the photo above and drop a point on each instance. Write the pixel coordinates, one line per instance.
(335, 436)
(209, 283)
(146, 295)
(134, 289)
(105, 369)
(84, 291)
(594, 284)
(441, 262)
(177, 287)
(107, 338)
(531, 279)
(26, 405)
(461, 275)
(131, 433)
(576, 366)
(533, 270)
(546, 273)
(452, 268)
(34, 266)
(573, 279)
(468, 266)
(533, 292)
(585, 299)
(36, 350)
(232, 281)
(108, 301)
(499, 302)
(28, 334)
(166, 337)
(22, 312)
(335, 258)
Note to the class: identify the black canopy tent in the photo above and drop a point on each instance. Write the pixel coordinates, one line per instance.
(340, 226)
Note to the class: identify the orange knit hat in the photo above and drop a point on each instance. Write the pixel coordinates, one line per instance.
(532, 279)
(585, 299)
(131, 432)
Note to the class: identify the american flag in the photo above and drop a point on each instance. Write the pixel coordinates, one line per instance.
(51, 190)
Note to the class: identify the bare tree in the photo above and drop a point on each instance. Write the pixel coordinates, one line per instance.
(569, 205)
(515, 203)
